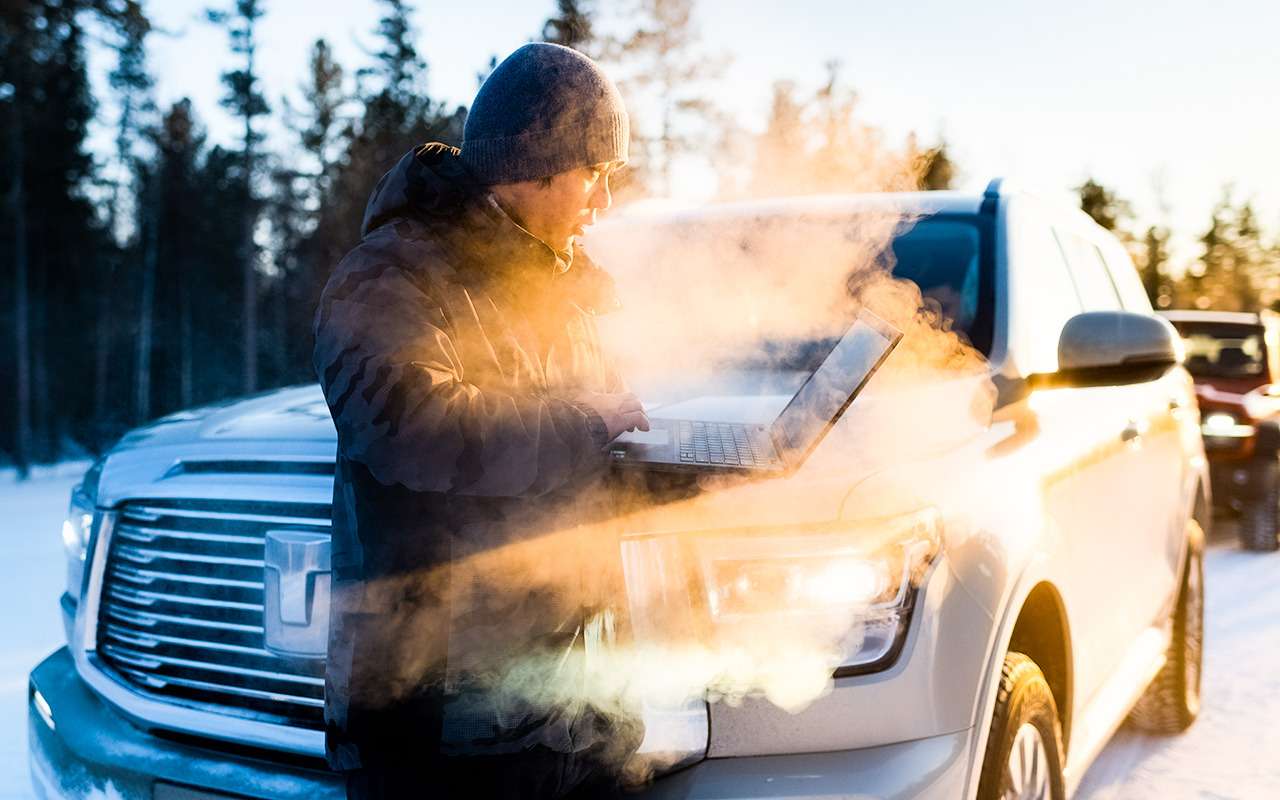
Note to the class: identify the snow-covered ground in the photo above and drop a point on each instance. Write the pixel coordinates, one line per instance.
(1233, 749)
(32, 574)
(1229, 753)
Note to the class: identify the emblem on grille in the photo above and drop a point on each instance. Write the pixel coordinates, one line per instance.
(296, 596)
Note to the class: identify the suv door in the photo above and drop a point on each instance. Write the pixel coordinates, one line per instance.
(1140, 491)
(1075, 455)
(1172, 434)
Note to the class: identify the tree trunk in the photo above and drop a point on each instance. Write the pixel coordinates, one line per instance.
(184, 342)
(250, 301)
(250, 298)
(279, 349)
(21, 314)
(146, 312)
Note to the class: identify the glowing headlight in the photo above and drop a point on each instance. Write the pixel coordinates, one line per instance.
(77, 528)
(1220, 423)
(856, 584)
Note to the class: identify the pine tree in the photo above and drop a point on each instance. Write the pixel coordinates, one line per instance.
(132, 84)
(571, 26)
(15, 26)
(397, 115)
(172, 272)
(782, 151)
(1155, 254)
(1104, 206)
(302, 189)
(665, 75)
(244, 99)
(1225, 276)
(936, 169)
(52, 233)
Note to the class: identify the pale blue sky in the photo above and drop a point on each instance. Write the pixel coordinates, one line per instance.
(1179, 93)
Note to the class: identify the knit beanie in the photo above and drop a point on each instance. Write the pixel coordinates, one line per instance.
(544, 110)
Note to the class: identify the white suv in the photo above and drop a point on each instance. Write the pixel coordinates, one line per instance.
(1039, 574)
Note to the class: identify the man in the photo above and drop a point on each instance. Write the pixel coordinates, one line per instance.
(457, 350)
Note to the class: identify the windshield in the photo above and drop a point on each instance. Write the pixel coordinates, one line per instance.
(1221, 350)
(945, 255)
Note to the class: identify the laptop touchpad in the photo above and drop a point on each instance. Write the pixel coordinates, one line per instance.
(655, 436)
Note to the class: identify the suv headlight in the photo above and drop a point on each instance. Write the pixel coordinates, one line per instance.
(77, 528)
(1223, 424)
(855, 585)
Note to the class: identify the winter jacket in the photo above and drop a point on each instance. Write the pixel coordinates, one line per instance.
(450, 344)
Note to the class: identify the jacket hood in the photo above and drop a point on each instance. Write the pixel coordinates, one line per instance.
(432, 185)
(429, 181)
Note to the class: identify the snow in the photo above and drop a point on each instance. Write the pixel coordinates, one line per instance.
(1231, 750)
(1229, 753)
(32, 577)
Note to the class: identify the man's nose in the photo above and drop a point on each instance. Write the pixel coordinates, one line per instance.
(602, 197)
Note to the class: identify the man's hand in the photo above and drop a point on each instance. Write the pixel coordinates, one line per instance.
(620, 412)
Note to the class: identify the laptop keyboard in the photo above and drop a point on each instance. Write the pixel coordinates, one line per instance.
(720, 443)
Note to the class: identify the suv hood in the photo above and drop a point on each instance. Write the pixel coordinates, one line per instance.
(298, 412)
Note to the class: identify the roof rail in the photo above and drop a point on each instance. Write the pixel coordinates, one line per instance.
(992, 196)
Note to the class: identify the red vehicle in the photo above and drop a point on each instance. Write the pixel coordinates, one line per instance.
(1235, 360)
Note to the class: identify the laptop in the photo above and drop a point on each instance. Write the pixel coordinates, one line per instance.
(701, 445)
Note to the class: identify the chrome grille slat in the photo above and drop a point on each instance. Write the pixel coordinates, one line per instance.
(147, 618)
(181, 609)
(148, 576)
(210, 666)
(150, 640)
(225, 689)
(144, 534)
(149, 598)
(149, 514)
(145, 555)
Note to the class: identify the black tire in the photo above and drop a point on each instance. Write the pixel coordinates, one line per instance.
(1172, 701)
(1023, 699)
(1260, 517)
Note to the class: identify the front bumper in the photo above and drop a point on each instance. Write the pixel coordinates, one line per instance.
(90, 747)
(936, 768)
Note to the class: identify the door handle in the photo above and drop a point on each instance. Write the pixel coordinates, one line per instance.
(1131, 432)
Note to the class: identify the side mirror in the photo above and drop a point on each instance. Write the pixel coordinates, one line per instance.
(1111, 348)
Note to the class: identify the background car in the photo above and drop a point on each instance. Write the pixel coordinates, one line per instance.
(1235, 360)
(1037, 566)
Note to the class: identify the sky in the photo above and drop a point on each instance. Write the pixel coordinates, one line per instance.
(1165, 102)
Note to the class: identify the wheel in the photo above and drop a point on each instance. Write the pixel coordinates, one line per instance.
(1172, 701)
(1024, 749)
(1260, 518)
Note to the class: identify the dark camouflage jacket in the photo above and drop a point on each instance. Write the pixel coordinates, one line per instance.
(449, 344)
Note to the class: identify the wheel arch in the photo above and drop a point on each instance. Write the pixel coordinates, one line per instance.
(1043, 634)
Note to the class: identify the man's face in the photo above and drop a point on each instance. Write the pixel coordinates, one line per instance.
(557, 211)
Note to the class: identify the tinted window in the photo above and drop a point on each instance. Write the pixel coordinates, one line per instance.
(948, 256)
(1218, 350)
(1093, 283)
(1126, 279)
(942, 256)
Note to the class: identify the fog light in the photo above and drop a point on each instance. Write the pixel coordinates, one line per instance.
(42, 708)
(1222, 425)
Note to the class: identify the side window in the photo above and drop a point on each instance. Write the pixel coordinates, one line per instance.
(1093, 283)
(1044, 297)
(1125, 276)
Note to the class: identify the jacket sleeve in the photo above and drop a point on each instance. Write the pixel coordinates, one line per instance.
(403, 407)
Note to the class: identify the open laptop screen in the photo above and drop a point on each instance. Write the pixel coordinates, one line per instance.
(833, 385)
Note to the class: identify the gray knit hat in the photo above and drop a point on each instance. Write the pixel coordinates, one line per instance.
(544, 110)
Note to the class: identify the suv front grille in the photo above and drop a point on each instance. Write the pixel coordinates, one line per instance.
(181, 611)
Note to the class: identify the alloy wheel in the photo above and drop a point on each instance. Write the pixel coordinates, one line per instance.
(1027, 772)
